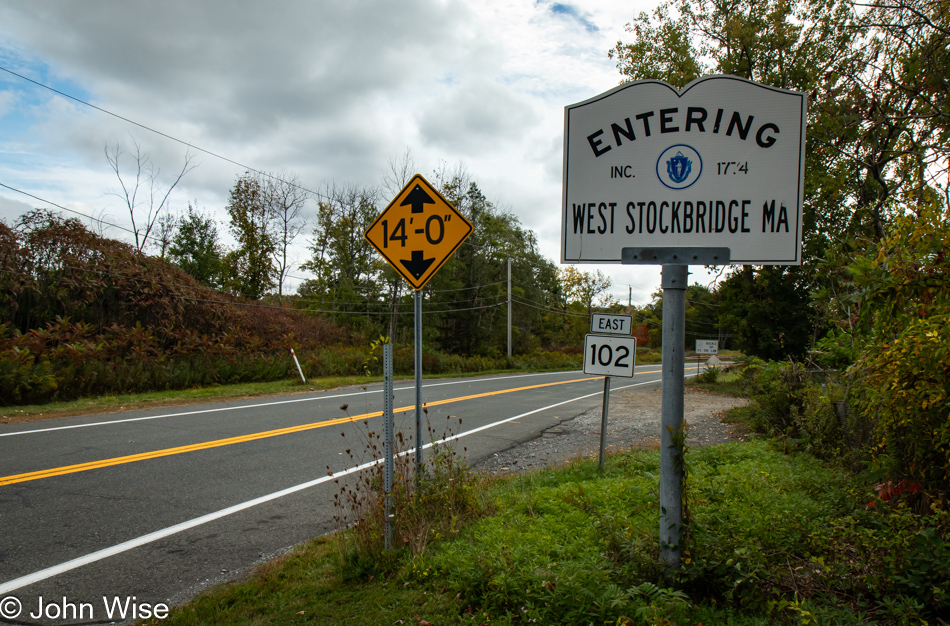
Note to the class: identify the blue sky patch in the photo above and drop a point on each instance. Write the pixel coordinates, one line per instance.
(566, 10)
(23, 102)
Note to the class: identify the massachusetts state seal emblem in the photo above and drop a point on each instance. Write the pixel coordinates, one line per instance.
(679, 166)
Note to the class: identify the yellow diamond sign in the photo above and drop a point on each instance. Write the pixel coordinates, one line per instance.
(418, 232)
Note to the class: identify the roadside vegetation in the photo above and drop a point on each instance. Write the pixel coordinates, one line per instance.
(774, 535)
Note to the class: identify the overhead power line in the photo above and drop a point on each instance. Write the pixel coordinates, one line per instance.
(59, 206)
(550, 310)
(500, 282)
(710, 304)
(271, 306)
(407, 306)
(165, 135)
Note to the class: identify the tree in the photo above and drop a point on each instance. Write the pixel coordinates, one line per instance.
(195, 248)
(250, 267)
(346, 265)
(793, 44)
(285, 200)
(165, 233)
(145, 197)
(888, 119)
(470, 290)
(702, 316)
(661, 50)
(772, 316)
(586, 287)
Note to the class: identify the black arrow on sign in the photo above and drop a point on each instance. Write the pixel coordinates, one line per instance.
(417, 198)
(417, 266)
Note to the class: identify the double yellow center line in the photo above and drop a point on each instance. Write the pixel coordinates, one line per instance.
(217, 443)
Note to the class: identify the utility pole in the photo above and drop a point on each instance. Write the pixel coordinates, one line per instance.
(509, 307)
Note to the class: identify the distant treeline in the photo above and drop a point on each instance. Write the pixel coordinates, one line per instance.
(85, 315)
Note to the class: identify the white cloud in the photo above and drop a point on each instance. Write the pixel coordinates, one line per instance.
(329, 90)
(476, 117)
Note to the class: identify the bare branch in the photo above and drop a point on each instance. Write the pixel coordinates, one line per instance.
(146, 175)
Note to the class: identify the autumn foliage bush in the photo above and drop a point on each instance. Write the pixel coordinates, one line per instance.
(903, 374)
(81, 314)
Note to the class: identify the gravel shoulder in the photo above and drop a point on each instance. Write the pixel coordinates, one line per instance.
(633, 422)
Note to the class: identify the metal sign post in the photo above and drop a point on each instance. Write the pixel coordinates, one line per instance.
(418, 367)
(603, 423)
(675, 278)
(610, 355)
(671, 424)
(388, 444)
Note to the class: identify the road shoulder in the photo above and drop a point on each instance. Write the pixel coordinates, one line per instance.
(633, 422)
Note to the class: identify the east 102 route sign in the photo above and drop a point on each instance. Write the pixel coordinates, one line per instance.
(611, 324)
(719, 164)
(418, 232)
(610, 355)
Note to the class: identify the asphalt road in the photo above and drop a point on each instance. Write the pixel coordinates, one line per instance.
(159, 504)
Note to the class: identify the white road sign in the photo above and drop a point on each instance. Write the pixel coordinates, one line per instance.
(607, 355)
(706, 346)
(720, 164)
(610, 324)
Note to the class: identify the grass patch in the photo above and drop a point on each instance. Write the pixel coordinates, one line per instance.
(305, 587)
(743, 416)
(726, 383)
(178, 397)
(773, 539)
(135, 401)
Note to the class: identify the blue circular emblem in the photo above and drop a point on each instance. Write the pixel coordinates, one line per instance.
(679, 166)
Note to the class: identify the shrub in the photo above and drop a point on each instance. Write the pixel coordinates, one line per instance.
(902, 379)
(709, 376)
(904, 385)
(433, 504)
(790, 404)
(89, 315)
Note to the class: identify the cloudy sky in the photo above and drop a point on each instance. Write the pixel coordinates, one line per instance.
(331, 91)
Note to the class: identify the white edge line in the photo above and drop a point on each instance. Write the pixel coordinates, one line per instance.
(254, 406)
(49, 572)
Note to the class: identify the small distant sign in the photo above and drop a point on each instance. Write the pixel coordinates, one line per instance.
(608, 355)
(609, 324)
(706, 346)
(713, 361)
